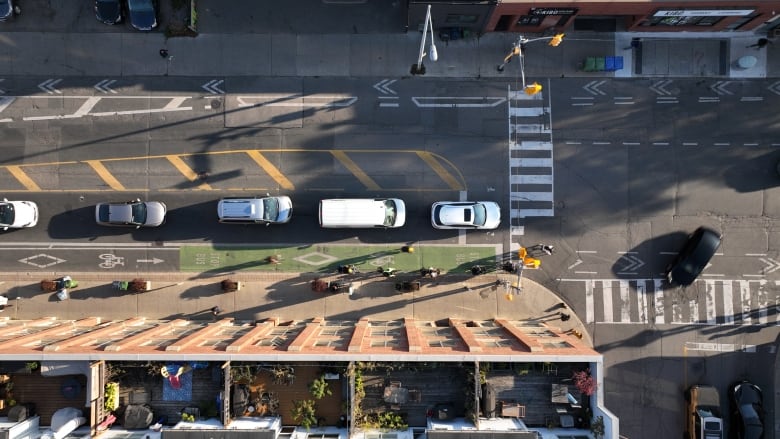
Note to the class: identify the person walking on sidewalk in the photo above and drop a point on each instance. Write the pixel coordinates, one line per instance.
(547, 249)
(564, 316)
(216, 310)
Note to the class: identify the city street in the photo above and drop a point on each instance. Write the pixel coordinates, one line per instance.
(614, 170)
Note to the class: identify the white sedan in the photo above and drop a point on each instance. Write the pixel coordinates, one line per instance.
(465, 215)
(18, 214)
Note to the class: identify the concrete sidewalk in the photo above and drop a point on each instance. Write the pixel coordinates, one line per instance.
(374, 55)
(290, 297)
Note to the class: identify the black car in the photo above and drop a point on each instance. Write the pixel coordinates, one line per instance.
(689, 263)
(108, 11)
(142, 13)
(747, 408)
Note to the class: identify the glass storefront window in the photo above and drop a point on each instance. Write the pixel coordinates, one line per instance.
(461, 19)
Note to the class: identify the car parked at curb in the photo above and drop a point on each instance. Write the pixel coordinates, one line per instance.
(142, 14)
(465, 215)
(694, 256)
(267, 210)
(135, 213)
(18, 214)
(108, 11)
(747, 409)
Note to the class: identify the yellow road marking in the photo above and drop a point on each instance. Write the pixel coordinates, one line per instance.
(188, 173)
(367, 181)
(103, 173)
(23, 178)
(451, 181)
(271, 170)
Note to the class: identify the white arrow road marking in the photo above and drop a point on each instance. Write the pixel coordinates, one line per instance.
(720, 88)
(593, 87)
(634, 263)
(383, 86)
(775, 88)
(308, 101)
(456, 102)
(658, 87)
(48, 86)
(154, 261)
(44, 257)
(772, 265)
(213, 86)
(104, 86)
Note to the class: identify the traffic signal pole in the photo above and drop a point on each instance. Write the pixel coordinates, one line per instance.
(517, 50)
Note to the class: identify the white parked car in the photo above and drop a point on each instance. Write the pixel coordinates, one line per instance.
(18, 214)
(135, 213)
(465, 215)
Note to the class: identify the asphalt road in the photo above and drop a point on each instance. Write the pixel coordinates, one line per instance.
(636, 171)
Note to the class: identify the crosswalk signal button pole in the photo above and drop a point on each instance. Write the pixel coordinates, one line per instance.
(556, 40)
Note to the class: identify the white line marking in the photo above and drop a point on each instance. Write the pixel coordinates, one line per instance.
(744, 294)
(606, 288)
(625, 302)
(661, 143)
(728, 303)
(709, 301)
(589, 314)
(658, 295)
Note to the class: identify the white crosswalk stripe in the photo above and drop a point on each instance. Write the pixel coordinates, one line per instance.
(530, 160)
(707, 302)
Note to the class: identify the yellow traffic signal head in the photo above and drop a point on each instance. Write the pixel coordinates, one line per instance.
(556, 40)
(532, 89)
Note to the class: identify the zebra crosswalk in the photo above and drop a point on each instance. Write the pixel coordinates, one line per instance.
(707, 302)
(530, 159)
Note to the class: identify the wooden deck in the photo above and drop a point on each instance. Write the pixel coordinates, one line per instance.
(48, 394)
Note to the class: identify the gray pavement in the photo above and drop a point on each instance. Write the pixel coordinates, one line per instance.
(288, 296)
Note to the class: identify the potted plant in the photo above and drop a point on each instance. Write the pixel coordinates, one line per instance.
(304, 413)
(139, 285)
(48, 286)
(584, 382)
(229, 286)
(597, 427)
(111, 401)
(320, 387)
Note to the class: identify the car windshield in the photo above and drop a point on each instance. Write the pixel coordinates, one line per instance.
(390, 213)
(140, 5)
(139, 213)
(480, 215)
(6, 209)
(270, 209)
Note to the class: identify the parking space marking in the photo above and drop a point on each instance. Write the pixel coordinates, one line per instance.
(367, 181)
(105, 175)
(188, 173)
(271, 170)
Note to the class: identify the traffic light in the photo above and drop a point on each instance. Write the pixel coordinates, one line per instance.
(532, 89)
(556, 40)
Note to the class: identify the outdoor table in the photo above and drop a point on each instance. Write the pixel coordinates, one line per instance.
(559, 392)
(396, 395)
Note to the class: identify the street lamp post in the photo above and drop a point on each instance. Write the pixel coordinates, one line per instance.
(419, 68)
(517, 50)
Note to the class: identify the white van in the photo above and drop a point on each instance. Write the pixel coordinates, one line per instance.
(362, 213)
(268, 210)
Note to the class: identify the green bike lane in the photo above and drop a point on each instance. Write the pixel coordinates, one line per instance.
(327, 257)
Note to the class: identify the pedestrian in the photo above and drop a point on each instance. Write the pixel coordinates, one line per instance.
(216, 310)
(760, 44)
(563, 305)
(548, 249)
(564, 316)
(164, 53)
